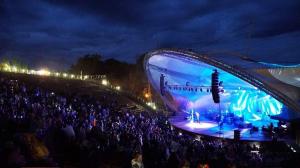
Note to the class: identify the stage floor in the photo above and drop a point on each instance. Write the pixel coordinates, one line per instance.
(210, 128)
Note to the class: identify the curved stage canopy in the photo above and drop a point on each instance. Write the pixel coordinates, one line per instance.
(250, 90)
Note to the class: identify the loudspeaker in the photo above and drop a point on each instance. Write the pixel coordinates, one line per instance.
(215, 86)
(237, 135)
(162, 84)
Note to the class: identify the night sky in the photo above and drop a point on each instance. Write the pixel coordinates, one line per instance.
(55, 33)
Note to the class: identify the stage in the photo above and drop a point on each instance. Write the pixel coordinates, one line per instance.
(210, 128)
(217, 92)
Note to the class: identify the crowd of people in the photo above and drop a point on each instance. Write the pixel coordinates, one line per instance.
(40, 127)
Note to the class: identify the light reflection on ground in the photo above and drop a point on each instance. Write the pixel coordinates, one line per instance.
(201, 125)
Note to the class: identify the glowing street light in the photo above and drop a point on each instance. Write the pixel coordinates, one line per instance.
(14, 69)
(6, 67)
(33, 72)
(43, 72)
(152, 105)
(85, 77)
(147, 95)
(118, 87)
(104, 82)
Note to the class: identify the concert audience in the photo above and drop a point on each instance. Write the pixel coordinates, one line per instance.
(42, 128)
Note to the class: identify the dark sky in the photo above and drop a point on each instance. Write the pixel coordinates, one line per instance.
(55, 33)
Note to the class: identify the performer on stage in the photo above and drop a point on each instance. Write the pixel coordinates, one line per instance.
(198, 117)
(192, 115)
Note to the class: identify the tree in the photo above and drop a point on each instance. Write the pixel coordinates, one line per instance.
(90, 64)
(13, 60)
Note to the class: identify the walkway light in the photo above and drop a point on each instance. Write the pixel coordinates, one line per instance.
(14, 69)
(147, 95)
(43, 72)
(33, 72)
(104, 82)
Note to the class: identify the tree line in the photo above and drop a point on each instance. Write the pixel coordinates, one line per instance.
(129, 76)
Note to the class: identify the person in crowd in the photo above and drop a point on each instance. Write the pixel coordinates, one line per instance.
(42, 128)
(137, 161)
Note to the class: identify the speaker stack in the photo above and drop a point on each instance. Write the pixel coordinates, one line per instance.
(237, 135)
(215, 86)
(162, 84)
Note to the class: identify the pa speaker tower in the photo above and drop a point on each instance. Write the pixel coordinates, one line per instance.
(237, 135)
(215, 86)
(162, 84)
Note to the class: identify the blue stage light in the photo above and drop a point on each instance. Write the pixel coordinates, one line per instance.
(258, 104)
(241, 98)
